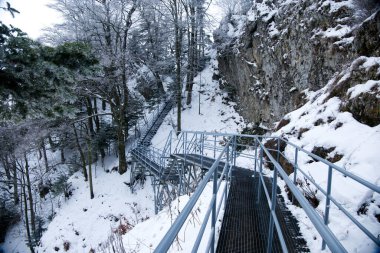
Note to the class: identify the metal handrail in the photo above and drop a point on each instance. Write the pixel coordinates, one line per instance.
(341, 170)
(324, 231)
(172, 233)
(320, 224)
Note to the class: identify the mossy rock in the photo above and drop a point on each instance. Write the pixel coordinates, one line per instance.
(358, 74)
(367, 39)
(365, 108)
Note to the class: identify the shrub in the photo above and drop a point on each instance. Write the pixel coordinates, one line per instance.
(66, 245)
(62, 186)
(309, 193)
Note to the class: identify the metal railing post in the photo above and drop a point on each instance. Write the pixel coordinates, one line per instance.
(295, 171)
(213, 215)
(155, 197)
(272, 211)
(234, 152)
(260, 173)
(214, 145)
(327, 208)
(202, 148)
(255, 157)
(184, 147)
(227, 175)
(170, 143)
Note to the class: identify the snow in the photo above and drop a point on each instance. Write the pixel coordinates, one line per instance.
(147, 235)
(237, 29)
(363, 88)
(336, 32)
(358, 143)
(216, 115)
(86, 223)
(273, 31)
(336, 5)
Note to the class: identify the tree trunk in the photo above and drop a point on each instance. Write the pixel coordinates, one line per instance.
(30, 242)
(62, 151)
(119, 118)
(90, 169)
(82, 157)
(96, 119)
(159, 83)
(89, 119)
(30, 196)
(45, 156)
(6, 166)
(15, 186)
(121, 150)
(192, 55)
(178, 40)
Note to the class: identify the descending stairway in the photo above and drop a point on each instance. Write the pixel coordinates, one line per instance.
(147, 137)
(148, 160)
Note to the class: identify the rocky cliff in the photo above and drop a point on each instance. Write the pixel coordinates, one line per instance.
(270, 56)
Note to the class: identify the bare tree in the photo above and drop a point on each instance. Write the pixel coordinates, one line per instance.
(106, 25)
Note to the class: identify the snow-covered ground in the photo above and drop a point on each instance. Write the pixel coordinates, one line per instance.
(322, 123)
(216, 114)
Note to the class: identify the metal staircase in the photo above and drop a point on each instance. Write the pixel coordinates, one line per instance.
(192, 160)
(148, 135)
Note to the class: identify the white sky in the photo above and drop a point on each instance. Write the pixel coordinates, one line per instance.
(34, 16)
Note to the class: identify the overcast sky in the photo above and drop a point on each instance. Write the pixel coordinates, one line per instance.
(34, 16)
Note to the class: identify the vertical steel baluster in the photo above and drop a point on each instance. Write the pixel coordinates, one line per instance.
(213, 217)
(272, 211)
(227, 179)
(327, 208)
(202, 147)
(255, 144)
(260, 173)
(155, 197)
(214, 145)
(295, 171)
(234, 152)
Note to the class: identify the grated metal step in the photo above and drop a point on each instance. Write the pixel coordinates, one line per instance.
(245, 223)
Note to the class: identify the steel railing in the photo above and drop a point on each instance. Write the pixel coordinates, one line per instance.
(213, 209)
(215, 145)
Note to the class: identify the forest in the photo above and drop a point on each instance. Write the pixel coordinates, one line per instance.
(71, 95)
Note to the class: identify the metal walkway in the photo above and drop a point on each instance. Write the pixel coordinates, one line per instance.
(246, 220)
(256, 218)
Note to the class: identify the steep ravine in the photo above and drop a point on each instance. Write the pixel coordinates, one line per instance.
(270, 56)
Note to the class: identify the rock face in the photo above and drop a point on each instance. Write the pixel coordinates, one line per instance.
(269, 56)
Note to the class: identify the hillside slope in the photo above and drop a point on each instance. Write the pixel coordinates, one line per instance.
(341, 123)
